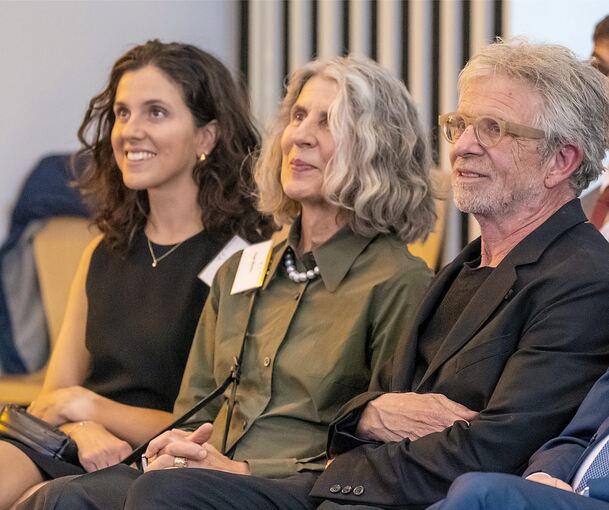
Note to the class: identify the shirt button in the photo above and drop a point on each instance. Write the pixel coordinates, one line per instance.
(346, 489)
(358, 490)
(296, 296)
(335, 488)
(244, 424)
(266, 361)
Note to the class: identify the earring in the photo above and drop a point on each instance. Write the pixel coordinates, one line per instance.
(202, 157)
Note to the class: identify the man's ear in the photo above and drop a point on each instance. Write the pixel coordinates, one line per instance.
(565, 161)
(207, 137)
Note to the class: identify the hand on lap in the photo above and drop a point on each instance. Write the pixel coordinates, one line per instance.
(546, 479)
(64, 405)
(97, 447)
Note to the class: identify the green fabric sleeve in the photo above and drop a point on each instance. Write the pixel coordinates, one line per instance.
(282, 468)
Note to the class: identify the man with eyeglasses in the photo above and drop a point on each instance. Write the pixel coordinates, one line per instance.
(500, 354)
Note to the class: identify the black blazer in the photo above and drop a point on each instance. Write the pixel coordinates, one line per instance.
(523, 353)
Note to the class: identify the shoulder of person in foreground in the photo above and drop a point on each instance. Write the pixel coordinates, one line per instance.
(559, 455)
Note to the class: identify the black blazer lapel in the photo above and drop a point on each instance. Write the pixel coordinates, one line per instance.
(404, 359)
(494, 291)
(497, 287)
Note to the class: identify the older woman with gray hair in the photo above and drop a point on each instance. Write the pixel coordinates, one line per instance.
(378, 179)
(347, 166)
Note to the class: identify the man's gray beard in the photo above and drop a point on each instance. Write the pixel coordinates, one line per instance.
(468, 201)
(490, 205)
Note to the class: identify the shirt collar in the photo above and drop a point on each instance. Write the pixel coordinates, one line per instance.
(334, 257)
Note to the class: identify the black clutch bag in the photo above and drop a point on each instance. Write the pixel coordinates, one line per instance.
(19, 425)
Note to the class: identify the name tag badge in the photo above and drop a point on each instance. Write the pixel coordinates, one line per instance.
(233, 246)
(252, 267)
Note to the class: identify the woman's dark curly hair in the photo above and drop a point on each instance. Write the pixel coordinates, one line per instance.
(226, 188)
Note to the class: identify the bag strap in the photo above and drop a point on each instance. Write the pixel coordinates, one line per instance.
(135, 455)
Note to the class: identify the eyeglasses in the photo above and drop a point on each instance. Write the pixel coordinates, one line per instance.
(489, 131)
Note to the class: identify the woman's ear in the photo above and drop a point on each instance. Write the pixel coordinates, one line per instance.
(207, 137)
(565, 161)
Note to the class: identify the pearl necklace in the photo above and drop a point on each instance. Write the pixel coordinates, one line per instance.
(293, 274)
(155, 259)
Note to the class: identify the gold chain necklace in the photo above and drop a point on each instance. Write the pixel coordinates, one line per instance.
(155, 259)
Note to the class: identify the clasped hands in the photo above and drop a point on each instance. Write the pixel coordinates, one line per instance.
(398, 416)
(194, 448)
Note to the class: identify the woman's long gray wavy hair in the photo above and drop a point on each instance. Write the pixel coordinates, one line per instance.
(379, 174)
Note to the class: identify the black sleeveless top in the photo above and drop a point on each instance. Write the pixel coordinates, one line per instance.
(141, 319)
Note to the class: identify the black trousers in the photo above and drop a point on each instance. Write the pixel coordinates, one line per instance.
(101, 490)
(122, 487)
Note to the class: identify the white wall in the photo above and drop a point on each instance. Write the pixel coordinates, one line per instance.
(566, 22)
(55, 55)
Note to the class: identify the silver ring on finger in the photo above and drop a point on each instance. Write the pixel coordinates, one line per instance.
(180, 462)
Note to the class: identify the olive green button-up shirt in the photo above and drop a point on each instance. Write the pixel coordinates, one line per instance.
(309, 347)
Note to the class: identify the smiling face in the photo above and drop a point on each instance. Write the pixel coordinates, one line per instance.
(307, 144)
(508, 177)
(154, 137)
